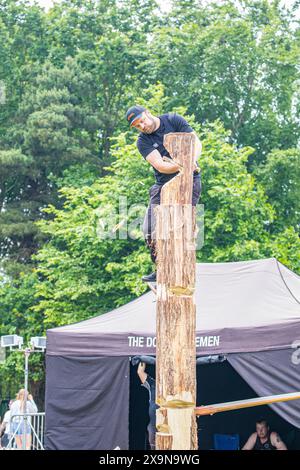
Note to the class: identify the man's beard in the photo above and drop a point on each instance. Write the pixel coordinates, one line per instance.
(151, 129)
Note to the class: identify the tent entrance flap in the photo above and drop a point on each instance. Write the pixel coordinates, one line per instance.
(87, 403)
(272, 372)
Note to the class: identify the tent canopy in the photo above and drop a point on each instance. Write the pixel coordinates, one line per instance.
(241, 307)
(249, 311)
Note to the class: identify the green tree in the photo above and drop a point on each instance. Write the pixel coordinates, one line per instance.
(80, 24)
(17, 298)
(23, 47)
(110, 40)
(82, 273)
(76, 267)
(237, 214)
(237, 62)
(280, 178)
(56, 127)
(90, 265)
(69, 75)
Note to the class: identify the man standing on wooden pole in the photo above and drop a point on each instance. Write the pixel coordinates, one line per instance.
(176, 266)
(151, 146)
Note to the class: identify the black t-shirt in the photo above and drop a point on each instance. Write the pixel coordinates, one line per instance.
(146, 143)
(266, 446)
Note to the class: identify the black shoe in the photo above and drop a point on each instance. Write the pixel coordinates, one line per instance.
(150, 277)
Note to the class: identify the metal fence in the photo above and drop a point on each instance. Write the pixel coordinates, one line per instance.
(26, 432)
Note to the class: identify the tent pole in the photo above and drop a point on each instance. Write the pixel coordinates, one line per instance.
(176, 308)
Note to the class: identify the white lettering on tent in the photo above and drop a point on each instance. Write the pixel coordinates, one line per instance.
(151, 342)
(136, 341)
(296, 354)
(203, 341)
(207, 341)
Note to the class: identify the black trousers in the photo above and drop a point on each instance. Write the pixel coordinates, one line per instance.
(149, 220)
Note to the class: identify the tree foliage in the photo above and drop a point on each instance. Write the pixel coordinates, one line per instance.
(69, 167)
(237, 62)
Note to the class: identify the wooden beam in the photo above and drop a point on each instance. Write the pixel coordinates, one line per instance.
(176, 308)
(237, 405)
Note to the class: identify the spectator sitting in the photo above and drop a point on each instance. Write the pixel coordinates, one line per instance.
(263, 439)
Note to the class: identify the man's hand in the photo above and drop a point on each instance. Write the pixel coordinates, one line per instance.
(195, 167)
(176, 166)
(141, 367)
(141, 372)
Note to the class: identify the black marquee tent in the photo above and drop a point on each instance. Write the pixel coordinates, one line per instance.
(248, 311)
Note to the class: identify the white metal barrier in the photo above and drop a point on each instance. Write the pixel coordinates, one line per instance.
(26, 432)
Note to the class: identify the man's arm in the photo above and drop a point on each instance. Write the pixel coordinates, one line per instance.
(277, 442)
(141, 372)
(154, 158)
(251, 442)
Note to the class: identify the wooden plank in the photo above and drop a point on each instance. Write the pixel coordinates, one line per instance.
(176, 308)
(237, 405)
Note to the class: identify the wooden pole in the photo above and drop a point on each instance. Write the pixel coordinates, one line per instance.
(163, 441)
(176, 308)
(238, 405)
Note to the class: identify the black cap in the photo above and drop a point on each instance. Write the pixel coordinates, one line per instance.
(134, 113)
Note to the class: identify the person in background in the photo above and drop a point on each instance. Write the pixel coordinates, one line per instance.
(149, 383)
(5, 426)
(21, 426)
(264, 439)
